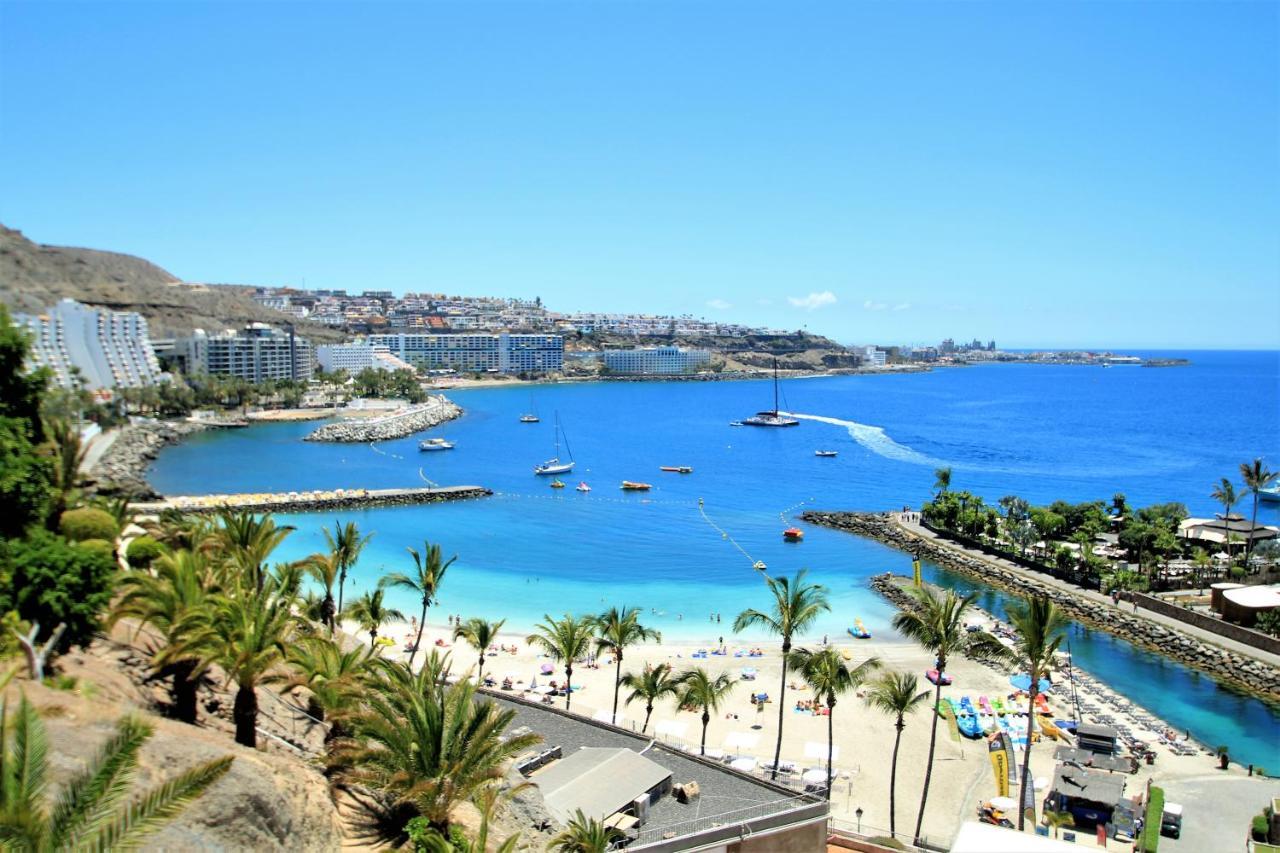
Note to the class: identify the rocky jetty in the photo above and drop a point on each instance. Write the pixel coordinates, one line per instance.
(1238, 670)
(315, 501)
(122, 469)
(435, 411)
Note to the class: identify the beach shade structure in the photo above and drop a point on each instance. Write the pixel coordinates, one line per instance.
(817, 749)
(1022, 681)
(816, 776)
(746, 764)
(1004, 804)
(544, 689)
(604, 716)
(738, 741)
(546, 669)
(671, 728)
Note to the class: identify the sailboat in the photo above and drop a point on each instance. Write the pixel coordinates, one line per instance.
(554, 465)
(772, 418)
(531, 417)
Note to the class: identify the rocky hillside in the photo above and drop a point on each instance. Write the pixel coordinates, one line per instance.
(34, 276)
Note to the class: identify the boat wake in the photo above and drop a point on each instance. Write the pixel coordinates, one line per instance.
(876, 440)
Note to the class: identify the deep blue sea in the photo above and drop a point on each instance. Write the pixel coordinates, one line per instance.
(1042, 432)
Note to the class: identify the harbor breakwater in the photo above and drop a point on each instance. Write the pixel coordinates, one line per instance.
(1240, 671)
(122, 469)
(314, 501)
(435, 411)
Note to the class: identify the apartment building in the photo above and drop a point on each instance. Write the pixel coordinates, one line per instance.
(358, 356)
(665, 361)
(502, 353)
(257, 353)
(107, 349)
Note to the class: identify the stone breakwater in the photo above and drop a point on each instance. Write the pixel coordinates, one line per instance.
(314, 501)
(122, 469)
(1243, 672)
(434, 412)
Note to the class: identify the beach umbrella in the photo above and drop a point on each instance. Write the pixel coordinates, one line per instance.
(817, 749)
(816, 776)
(745, 764)
(1004, 804)
(1022, 681)
(673, 728)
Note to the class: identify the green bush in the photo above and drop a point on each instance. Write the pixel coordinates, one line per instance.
(142, 551)
(88, 523)
(1260, 827)
(1155, 812)
(48, 580)
(98, 546)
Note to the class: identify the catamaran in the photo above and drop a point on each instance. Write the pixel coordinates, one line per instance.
(554, 465)
(773, 418)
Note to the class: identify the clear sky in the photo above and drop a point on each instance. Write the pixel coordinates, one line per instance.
(1047, 174)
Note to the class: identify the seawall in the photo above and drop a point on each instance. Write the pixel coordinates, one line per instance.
(122, 468)
(313, 501)
(1248, 674)
(432, 413)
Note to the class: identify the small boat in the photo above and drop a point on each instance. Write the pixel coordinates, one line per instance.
(932, 675)
(557, 484)
(583, 487)
(530, 419)
(676, 469)
(759, 565)
(773, 417)
(826, 454)
(793, 534)
(629, 486)
(435, 444)
(554, 465)
(736, 423)
(1271, 494)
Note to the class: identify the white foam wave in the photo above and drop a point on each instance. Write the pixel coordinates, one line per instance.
(876, 440)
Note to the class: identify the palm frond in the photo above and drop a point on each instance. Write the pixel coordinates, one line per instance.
(102, 785)
(126, 828)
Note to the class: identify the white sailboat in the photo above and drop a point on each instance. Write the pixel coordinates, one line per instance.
(773, 418)
(531, 417)
(555, 465)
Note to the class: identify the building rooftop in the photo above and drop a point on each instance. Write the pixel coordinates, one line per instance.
(597, 780)
(1254, 597)
(1095, 786)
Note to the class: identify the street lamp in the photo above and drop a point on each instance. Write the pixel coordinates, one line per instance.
(858, 815)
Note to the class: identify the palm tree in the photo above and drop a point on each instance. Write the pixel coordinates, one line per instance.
(936, 621)
(700, 690)
(896, 693)
(324, 569)
(651, 685)
(90, 813)
(428, 574)
(370, 613)
(1225, 494)
(68, 453)
(942, 480)
(245, 542)
(828, 676)
(334, 678)
(585, 835)
(425, 744)
(1058, 820)
(564, 640)
(1256, 477)
(345, 544)
(1041, 628)
(796, 605)
(250, 632)
(174, 600)
(431, 841)
(617, 629)
(479, 634)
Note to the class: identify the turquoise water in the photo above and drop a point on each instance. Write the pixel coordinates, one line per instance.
(1041, 432)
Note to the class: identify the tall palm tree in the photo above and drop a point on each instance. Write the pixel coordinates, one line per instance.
(324, 570)
(345, 544)
(616, 629)
(174, 600)
(565, 640)
(796, 605)
(651, 685)
(898, 694)
(371, 613)
(90, 812)
(1256, 477)
(936, 621)
(428, 575)
(479, 634)
(942, 480)
(1041, 628)
(334, 678)
(426, 744)
(245, 543)
(585, 835)
(1225, 494)
(827, 674)
(251, 631)
(700, 690)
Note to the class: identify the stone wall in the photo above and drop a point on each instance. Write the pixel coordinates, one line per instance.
(434, 412)
(122, 469)
(389, 497)
(1230, 630)
(1243, 672)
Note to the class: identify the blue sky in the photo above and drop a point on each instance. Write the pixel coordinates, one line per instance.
(1047, 174)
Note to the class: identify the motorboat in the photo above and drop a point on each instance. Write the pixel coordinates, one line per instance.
(555, 465)
(629, 486)
(793, 534)
(435, 444)
(826, 454)
(676, 469)
(1271, 494)
(530, 419)
(557, 484)
(759, 566)
(736, 423)
(773, 417)
(583, 487)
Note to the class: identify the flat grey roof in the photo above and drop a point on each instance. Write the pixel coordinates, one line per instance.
(726, 796)
(597, 780)
(1094, 786)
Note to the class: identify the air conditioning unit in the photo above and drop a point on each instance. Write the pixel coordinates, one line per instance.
(640, 805)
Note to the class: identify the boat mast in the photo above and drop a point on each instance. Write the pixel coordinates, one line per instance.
(775, 387)
(557, 437)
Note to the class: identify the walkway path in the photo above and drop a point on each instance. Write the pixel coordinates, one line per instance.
(920, 532)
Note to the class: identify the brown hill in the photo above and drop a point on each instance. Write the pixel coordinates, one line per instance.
(34, 276)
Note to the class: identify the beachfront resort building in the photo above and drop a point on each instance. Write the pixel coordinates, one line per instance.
(873, 356)
(358, 356)
(256, 353)
(502, 353)
(664, 361)
(99, 348)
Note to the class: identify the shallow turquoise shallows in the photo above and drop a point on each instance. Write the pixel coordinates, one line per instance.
(1077, 433)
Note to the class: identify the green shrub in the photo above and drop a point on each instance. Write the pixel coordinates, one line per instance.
(142, 551)
(1260, 827)
(98, 546)
(48, 580)
(88, 523)
(1155, 812)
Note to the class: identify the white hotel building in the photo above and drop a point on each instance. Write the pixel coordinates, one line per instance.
(665, 361)
(502, 353)
(109, 349)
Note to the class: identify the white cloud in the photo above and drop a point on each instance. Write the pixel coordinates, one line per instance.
(718, 304)
(813, 301)
(902, 306)
(873, 306)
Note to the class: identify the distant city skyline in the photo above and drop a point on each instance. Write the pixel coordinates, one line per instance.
(1047, 175)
